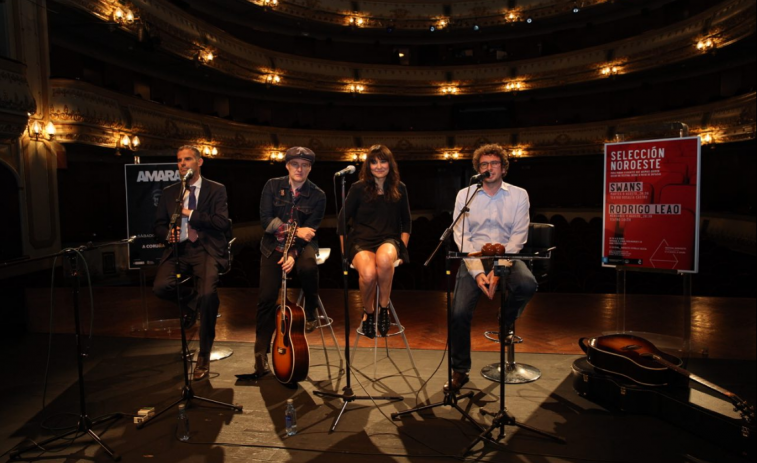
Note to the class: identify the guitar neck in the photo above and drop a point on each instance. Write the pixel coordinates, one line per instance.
(694, 377)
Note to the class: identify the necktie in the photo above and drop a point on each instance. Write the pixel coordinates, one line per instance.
(191, 205)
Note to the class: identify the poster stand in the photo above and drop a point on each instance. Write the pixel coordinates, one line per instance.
(678, 340)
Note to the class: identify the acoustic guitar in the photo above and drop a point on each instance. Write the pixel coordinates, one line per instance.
(637, 359)
(290, 352)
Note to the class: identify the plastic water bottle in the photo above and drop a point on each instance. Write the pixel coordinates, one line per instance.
(291, 418)
(183, 425)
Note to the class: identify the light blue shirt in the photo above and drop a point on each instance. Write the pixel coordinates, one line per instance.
(501, 218)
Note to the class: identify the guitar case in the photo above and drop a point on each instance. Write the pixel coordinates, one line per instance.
(670, 403)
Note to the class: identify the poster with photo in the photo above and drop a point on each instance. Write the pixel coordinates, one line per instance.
(651, 204)
(144, 185)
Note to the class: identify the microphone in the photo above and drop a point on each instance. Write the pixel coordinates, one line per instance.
(190, 173)
(346, 171)
(479, 177)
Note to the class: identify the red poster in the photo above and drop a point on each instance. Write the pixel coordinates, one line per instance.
(651, 204)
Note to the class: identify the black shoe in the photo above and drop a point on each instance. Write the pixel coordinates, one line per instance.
(384, 322)
(311, 325)
(369, 325)
(189, 314)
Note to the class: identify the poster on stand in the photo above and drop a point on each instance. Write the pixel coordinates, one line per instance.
(651, 204)
(144, 185)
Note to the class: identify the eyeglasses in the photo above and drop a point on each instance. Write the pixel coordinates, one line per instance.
(485, 165)
(297, 166)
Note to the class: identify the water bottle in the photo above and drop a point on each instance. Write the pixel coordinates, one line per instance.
(183, 425)
(291, 418)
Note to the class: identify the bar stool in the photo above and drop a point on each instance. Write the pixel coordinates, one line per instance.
(515, 373)
(395, 329)
(324, 321)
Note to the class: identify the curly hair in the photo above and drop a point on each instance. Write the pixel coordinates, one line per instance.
(391, 184)
(492, 149)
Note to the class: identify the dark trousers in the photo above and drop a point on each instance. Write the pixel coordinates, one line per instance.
(194, 261)
(521, 286)
(270, 284)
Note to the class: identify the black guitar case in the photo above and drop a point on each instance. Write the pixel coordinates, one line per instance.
(670, 403)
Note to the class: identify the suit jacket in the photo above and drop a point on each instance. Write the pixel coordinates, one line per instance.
(210, 218)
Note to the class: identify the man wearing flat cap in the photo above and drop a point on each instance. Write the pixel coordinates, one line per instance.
(292, 198)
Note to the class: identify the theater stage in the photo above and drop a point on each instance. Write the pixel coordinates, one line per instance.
(126, 370)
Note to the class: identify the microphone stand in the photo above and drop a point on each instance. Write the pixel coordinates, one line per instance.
(503, 417)
(84, 424)
(348, 395)
(187, 394)
(450, 398)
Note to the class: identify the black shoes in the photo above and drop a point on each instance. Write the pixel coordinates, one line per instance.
(384, 321)
(369, 324)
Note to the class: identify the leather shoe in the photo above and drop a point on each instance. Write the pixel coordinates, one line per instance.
(369, 325)
(458, 380)
(189, 313)
(202, 368)
(383, 321)
(311, 325)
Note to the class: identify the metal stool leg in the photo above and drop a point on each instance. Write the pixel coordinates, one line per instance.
(322, 316)
(404, 338)
(400, 331)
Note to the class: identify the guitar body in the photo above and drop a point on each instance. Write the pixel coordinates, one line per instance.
(290, 352)
(631, 357)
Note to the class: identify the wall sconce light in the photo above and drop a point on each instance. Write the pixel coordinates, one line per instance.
(705, 45)
(356, 88)
(36, 131)
(610, 70)
(123, 17)
(204, 57)
(272, 79)
(517, 152)
(357, 21)
(451, 156)
(706, 138)
(512, 16)
(130, 143)
(210, 151)
(449, 90)
(514, 86)
(270, 3)
(359, 157)
(276, 156)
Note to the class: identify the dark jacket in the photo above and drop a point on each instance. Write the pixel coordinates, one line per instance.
(210, 218)
(275, 204)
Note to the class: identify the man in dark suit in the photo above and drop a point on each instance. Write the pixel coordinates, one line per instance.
(202, 234)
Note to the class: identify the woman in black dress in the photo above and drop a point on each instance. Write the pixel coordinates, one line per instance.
(379, 212)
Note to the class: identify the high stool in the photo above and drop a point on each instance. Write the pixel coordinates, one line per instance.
(515, 373)
(324, 321)
(395, 329)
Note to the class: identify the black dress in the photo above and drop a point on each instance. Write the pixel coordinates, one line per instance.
(375, 222)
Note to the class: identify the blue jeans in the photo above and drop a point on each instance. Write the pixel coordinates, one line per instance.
(521, 286)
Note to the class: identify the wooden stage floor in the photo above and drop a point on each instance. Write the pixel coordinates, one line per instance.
(552, 322)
